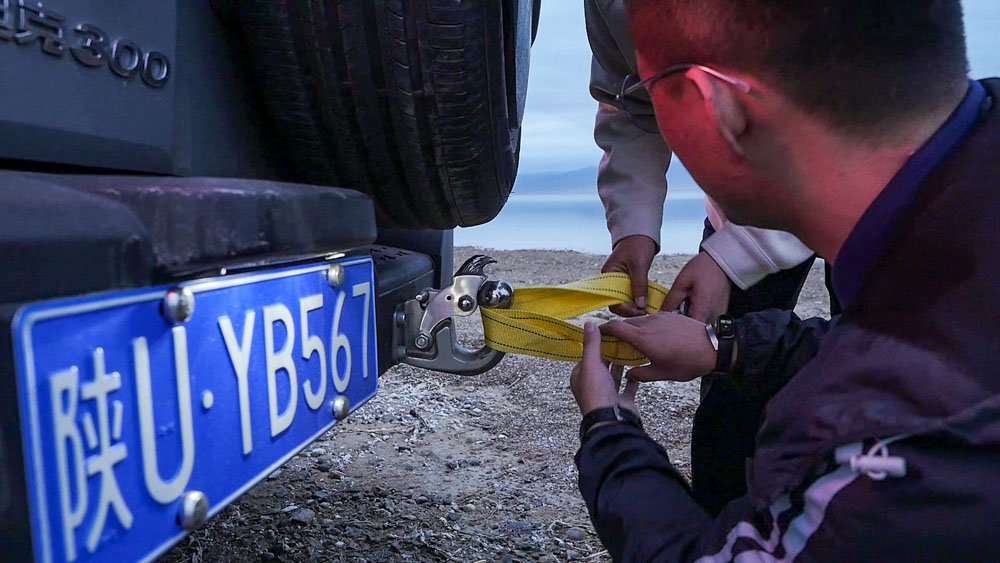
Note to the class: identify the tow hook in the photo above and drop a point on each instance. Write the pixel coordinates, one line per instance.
(425, 335)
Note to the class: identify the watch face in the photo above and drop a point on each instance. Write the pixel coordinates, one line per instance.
(727, 327)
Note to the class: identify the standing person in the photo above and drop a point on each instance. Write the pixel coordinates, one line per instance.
(853, 125)
(738, 270)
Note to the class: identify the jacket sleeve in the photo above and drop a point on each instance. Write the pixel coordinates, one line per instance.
(772, 346)
(749, 254)
(631, 178)
(639, 504)
(642, 510)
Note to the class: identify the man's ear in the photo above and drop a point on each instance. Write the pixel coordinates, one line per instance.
(722, 106)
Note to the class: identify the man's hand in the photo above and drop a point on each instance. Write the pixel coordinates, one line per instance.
(678, 347)
(633, 256)
(593, 384)
(704, 285)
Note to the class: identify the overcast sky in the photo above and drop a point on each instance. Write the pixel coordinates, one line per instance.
(559, 119)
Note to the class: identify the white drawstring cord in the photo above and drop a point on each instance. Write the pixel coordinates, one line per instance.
(876, 463)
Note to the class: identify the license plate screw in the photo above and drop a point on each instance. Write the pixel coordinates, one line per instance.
(194, 510)
(335, 275)
(341, 407)
(178, 305)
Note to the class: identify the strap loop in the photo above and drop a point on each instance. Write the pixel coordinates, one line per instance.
(535, 323)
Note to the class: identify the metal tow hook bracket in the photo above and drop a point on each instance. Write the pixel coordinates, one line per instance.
(425, 334)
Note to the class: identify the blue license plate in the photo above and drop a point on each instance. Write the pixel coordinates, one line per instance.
(127, 417)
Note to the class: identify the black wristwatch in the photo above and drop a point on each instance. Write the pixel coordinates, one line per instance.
(608, 414)
(723, 336)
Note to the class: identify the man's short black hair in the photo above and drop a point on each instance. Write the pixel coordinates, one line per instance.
(862, 64)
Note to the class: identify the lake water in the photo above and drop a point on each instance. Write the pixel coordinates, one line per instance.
(576, 222)
(574, 219)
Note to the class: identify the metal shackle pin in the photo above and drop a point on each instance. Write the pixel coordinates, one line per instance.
(495, 294)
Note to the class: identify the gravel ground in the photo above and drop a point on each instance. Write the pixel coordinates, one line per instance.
(444, 468)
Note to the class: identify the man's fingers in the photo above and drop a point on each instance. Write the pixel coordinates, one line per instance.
(643, 374)
(627, 310)
(639, 287)
(623, 330)
(676, 296)
(616, 372)
(592, 345)
(574, 379)
(613, 264)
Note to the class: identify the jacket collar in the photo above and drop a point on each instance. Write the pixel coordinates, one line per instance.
(869, 237)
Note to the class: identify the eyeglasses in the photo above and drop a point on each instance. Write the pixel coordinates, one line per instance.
(641, 114)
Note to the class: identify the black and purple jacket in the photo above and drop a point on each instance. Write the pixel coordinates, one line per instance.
(885, 444)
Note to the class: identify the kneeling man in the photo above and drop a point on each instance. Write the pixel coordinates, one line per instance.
(853, 125)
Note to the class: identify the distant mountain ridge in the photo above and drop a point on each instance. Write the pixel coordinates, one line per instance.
(584, 181)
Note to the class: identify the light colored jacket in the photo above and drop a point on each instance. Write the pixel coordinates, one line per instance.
(631, 179)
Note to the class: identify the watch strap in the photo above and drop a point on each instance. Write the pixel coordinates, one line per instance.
(725, 332)
(608, 414)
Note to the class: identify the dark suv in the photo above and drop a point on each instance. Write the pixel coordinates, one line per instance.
(209, 215)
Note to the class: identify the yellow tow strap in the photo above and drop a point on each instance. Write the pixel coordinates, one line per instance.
(535, 323)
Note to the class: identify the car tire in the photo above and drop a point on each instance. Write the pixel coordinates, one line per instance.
(417, 103)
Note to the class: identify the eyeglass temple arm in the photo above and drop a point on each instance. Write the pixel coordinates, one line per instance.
(735, 82)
